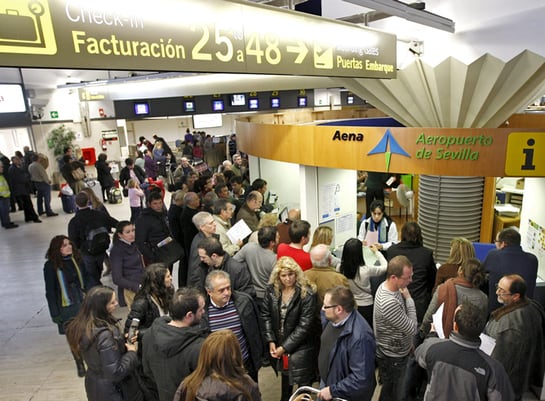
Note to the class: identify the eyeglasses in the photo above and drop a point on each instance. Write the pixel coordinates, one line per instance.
(328, 306)
(502, 291)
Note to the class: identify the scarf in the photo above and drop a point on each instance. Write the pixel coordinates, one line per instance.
(68, 297)
(447, 294)
(504, 310)
(381, 228)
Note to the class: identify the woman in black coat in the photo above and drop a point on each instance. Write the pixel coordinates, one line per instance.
(111, 359)
(64, 285)
(292, 328)
(104, 176)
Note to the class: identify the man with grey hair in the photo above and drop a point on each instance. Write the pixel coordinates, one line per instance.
(249, 211)
(322, 274)
(206, 226)
(236, 311)
(223, 213)
(188, 231)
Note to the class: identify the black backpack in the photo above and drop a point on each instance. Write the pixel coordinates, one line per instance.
(98, 240)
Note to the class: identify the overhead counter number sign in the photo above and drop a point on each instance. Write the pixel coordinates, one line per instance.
(189, 35)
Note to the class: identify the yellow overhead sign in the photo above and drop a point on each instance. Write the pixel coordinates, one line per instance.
(525, 154)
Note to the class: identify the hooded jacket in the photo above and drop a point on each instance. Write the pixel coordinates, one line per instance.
(170, 354)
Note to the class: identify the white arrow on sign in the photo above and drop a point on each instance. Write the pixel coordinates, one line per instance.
(301, 48)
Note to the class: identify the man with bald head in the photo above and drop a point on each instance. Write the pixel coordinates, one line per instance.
(322, 274)
(249, 211)
(283, 227)
(518, 327)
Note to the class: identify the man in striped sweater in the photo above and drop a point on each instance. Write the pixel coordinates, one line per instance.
(236, 311)
(395, 324)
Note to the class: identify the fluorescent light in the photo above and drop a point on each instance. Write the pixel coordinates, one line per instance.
(398, 9)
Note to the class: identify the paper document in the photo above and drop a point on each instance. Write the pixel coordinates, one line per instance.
(487, 344)
(438, 321)
(371, 237)
(239, 231)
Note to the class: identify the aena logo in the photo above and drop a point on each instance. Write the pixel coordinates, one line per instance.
(388, 142)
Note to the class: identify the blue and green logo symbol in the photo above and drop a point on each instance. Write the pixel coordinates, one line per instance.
(388, 142)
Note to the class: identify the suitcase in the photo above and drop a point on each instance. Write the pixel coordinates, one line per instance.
(96, 187)
(114, 195)
(68, 203)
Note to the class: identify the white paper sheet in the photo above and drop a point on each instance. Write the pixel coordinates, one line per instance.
(239, 231)
(487, 344)
(371, 237)
(438, 321)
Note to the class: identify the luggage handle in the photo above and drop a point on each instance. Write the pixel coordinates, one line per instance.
(10, 11)
(301, 394)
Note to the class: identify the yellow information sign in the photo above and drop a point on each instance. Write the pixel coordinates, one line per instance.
(524, 156)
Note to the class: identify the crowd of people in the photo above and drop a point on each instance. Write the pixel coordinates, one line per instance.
(280, 298)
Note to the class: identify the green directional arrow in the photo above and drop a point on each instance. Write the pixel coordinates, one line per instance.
(388, 157)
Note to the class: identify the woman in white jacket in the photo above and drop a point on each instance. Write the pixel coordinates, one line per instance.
(358, 271)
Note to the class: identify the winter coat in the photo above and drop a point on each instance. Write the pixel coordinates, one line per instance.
(110, 368)
(216, 390)
(103, 174)
(125, 175)
(170, 354)
(151, 228)
(300, 338)
(144, 309)
(127, 265)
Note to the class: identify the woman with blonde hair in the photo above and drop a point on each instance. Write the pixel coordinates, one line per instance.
(220, 374)
(324, 235)
(268, 220)
(292, 327)
(461, 250)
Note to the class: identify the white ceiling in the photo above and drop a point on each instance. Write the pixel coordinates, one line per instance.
(503, 28)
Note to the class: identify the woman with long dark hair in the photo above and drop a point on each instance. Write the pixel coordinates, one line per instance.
(359, 272)
(292, 327)
(153, 298)
(126, 261)
(64, 285)
(104, 175)
(378, 229)
(111, 359)
(220, 374)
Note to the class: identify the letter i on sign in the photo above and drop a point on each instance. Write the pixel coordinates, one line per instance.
(529, 156)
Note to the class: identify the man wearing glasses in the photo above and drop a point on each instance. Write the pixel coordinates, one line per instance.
(518, 328)
(509, 258)
(347, 352)
(395, 324)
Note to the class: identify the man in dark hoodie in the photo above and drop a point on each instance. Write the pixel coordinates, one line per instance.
(172, 345)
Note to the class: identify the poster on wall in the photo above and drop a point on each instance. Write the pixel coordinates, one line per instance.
(330, 203)
(535, 243)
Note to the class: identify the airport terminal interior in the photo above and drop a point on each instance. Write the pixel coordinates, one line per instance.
(35, 362)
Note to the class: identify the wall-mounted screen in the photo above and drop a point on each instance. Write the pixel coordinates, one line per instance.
(275, 102)
(201, 121)
(350, 99)
(189, 106)
(217, 105)
(253, 104)
(302, 101)
(141, 108)
(238, 100)
(12, 99)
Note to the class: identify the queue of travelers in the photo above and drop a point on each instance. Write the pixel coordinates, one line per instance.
(314, 317)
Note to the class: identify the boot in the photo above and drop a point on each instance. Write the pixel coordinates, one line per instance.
(80, 366)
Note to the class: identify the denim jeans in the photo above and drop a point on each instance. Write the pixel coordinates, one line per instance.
(44, 197)
(4, 212)
(392, 375)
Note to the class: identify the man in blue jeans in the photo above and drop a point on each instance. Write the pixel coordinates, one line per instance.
(42, 183)
(395, 325)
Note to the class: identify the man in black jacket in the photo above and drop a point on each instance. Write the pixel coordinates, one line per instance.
(131, 171)
(152, 228)
(172, 345)
(236, 311)
(79, 227)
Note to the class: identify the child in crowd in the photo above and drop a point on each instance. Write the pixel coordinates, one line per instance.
(136, 195)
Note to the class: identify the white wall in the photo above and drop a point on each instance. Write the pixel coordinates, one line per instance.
(532, 209)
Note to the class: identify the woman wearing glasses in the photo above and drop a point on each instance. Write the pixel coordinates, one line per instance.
(292, 327)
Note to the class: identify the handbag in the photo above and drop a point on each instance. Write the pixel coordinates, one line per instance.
(78, 174)
(169, 251)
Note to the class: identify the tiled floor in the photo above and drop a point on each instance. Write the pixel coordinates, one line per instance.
(35, 363)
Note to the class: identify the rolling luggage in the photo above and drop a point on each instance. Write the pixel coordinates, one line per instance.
(96, 187)
(68, 203)
(114, 195)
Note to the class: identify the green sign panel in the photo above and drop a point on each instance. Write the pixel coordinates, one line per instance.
(189, 35)
(54, 114)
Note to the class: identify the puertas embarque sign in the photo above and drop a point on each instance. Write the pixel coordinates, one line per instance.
(189, 35)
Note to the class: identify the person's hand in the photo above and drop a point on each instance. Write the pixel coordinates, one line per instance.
(325, 394)
(276, 352)
(240, 243)
(374, 248)
(378, 246)
(405, 292)
(131, 347)
(364, 243)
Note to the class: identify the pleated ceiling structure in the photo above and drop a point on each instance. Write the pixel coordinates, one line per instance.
(452, 94)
